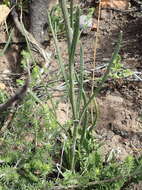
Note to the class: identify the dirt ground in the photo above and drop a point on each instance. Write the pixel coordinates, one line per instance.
(119, 127)
(120, 102)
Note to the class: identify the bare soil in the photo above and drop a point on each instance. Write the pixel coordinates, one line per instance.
(120, 103)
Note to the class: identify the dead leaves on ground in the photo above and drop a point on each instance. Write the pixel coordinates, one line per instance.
(116, 4)
(4, 11)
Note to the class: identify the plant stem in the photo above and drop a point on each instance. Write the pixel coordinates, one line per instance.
(67, 22)
(71, 13)
(58, 50)
(71, 84)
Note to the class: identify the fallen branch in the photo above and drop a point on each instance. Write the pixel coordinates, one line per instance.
(73, 187)
(18, 96)
(30, 37)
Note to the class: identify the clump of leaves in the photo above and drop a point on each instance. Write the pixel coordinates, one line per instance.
(27, 145)
(93, 172)
(9, 175)
(6, 2)
(118, 71)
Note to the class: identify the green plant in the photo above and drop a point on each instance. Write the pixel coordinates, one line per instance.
(80, 154)
(57, 21)
(6, 2)
(79, 115)
(117, 70)
(37, 152)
